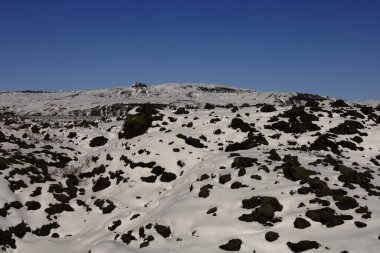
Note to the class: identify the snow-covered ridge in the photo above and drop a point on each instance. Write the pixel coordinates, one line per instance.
(192, 94)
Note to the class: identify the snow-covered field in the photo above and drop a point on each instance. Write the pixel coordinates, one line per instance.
(201, 168)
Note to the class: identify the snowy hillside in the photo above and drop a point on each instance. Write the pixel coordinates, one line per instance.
(188, 168)
(191, 94)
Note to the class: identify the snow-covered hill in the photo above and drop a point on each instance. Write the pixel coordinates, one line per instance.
(190, 94)
(201, 168)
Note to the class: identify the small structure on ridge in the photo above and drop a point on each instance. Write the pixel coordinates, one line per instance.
(138, 85)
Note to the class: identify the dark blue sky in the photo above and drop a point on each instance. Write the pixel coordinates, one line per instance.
(329, 47)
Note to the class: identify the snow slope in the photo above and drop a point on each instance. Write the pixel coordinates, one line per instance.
(196, 178)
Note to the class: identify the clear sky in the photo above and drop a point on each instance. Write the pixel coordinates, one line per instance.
(328, 47)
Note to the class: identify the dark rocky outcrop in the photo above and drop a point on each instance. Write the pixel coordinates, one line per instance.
(327, 216)
(114, 225)
(181, 110)
(137, 124)
(101, 184)
(301, 223)
(191, 141)
(303, 246)
(225, 178)
(293, 170)
(106, 205)
(325, 142)
(98, 141)
(300, 98)
(164, 231)
(45, 230)
(271, 236)
(58, 208)
(264, 212)
(149, 179)
(204, 191)
(128, 238)
(348, 127)
(251, 142)
(346, 203)
(167, 177)
(33, 205)
(268, 108)
(237, 123)
(274, 156)
(339, 103)
(299, 121)
(232, 245)
(243, 162)
(350, 177)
